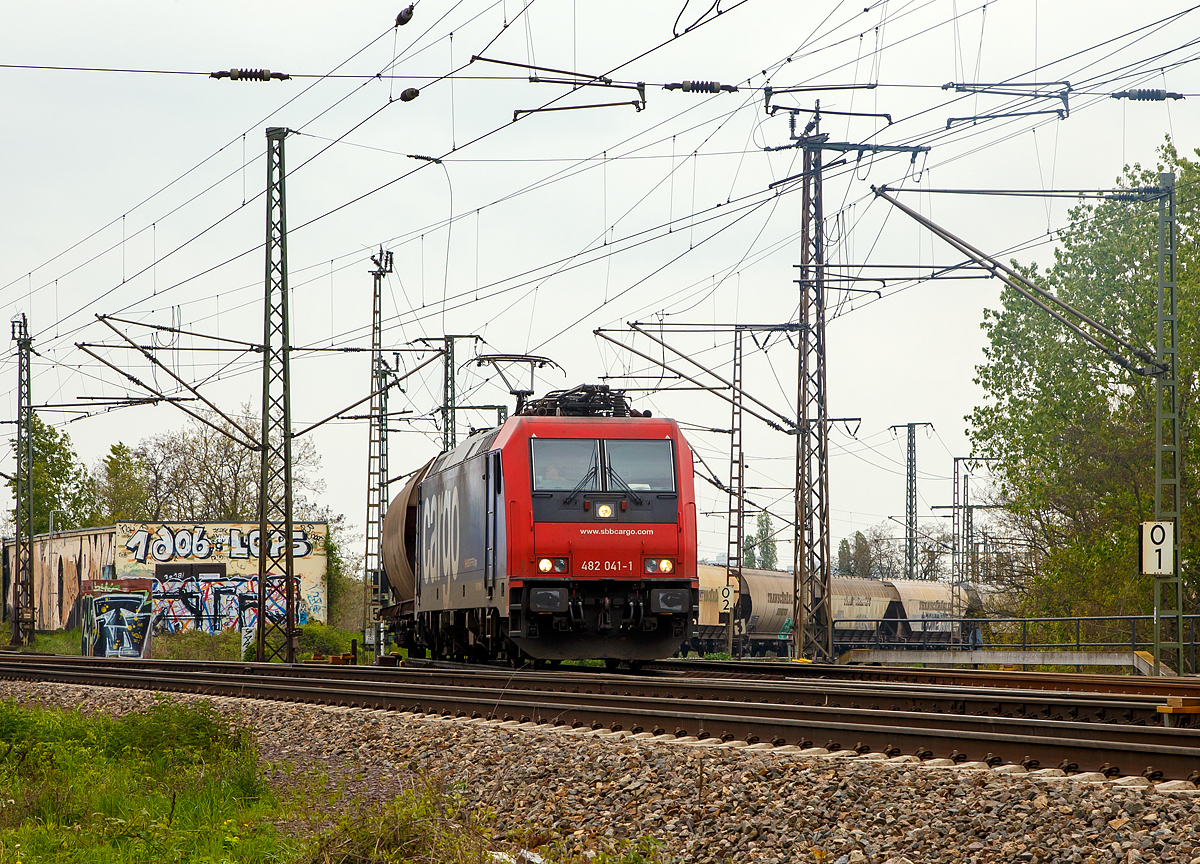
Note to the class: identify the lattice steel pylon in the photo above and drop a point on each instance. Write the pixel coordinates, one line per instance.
(1168, 590)
(910, 505)
(276, 582)
(24, 615)
(958, 524)
(813, 574)
(910, 501)
(377, 462)
(735, 536)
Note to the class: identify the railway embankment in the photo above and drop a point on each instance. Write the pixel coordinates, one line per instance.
(568, 793)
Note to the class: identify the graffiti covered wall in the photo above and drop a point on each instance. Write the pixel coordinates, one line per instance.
(206, 576)
(202, 576)
(61, 562)
(115, 617)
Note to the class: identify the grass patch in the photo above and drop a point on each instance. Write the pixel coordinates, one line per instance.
(66, 642)
(197, 645)
(423, 825)
(170, 783)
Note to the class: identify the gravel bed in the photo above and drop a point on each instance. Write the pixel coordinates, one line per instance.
(705, 802)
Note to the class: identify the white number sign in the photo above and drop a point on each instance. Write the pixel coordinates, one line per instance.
(727, 597)
(1157, 542)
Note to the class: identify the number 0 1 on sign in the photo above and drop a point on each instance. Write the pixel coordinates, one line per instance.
(1157, 543)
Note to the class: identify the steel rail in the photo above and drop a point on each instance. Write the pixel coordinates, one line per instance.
(979, 701)
(1075, 682)
(1155, 751)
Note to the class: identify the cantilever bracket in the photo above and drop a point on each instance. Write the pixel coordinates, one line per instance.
(1013, 89)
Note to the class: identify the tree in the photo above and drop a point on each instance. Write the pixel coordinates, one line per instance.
(200, 474)
(122, 486)
(61, 484)
(1072, 432)
(764, 538)
(860, 557)
(749, 546)
(844, 558)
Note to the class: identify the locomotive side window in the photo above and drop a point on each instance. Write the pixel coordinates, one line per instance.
(642, 465)
(563, 464)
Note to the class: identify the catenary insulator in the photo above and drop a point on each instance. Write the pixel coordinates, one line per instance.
(405, 16)
(251, 75)
(1144, 95)
(410, 94)
(701, 87)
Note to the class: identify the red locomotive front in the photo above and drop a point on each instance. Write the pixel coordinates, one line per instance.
(554, 537)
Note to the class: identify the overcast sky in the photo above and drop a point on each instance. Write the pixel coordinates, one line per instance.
(138, 194)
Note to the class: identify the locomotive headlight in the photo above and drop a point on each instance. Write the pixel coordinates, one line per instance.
(651, 565)
(666, 565)
(560, 565)
(604, 511)
(545, 565)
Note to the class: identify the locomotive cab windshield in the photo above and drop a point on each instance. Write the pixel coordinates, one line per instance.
(630, 466)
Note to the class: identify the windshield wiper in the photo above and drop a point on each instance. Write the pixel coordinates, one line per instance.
(620, 482)
(591, 472)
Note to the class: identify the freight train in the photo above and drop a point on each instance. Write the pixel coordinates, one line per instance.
(866, 612)
(568, 532)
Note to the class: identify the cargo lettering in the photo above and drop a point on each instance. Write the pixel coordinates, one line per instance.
(439, 555)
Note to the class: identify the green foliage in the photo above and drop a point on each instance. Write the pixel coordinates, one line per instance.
(1073, 432)
(646, 850)
(764, 538)
(844, 557)
(122, 481)
(425, 824)
(322, 639)
(344, 583)
(65, 642)
(197, 645)
(170, 783)
(717, 655)
(60, 483)
(861, 559)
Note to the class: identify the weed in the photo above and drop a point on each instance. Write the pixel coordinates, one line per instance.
(422, 825)
(149, 786)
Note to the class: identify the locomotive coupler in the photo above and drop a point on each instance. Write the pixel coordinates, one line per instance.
(604, 619)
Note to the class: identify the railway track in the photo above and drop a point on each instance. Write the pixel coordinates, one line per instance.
(984, 724)
(1080, 682)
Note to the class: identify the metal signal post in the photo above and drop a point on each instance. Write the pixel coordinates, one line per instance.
(910, 501)
(377, 458)
(813, 575)
(737, 499)
(276, 583)
(1168, 590)
(813, 635)
(24, 614)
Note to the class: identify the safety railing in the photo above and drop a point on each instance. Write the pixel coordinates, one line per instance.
(1079, 633)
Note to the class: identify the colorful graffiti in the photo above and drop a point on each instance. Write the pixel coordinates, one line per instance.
(171, 544)
(116, 617)
(206, 575)
(192, 597)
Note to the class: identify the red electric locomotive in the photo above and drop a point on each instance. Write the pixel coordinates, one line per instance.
(567, 533)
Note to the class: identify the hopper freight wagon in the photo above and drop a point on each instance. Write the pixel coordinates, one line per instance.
(567, 533)
(866, 612)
